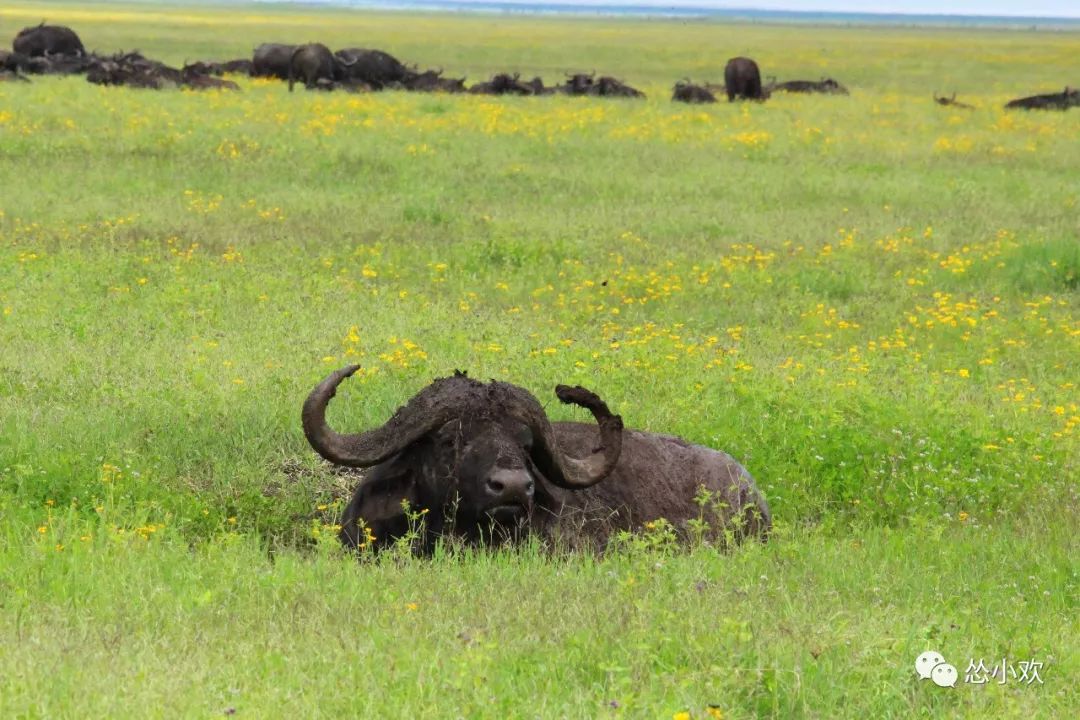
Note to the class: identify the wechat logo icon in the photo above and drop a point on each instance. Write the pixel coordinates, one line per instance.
(931, 665)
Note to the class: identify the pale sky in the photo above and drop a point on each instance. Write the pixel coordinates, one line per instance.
(1029, 8)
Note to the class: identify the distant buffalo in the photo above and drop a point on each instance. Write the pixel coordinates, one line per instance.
(577, 84)
(589, 84)
(9, 68)
(239, 67)
(48, 40)
(132, 69)
(1064, 100)
(433, 81)
(742, 78)
(502, 84)
(203, 68)
(537, 85)
(826, 86)
(611, 87)
(218, 68)
(687, 92)
(313, 63)
(272, 60)
(374, 67)
(18, 62)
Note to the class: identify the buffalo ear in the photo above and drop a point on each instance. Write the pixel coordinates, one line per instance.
(379, 504)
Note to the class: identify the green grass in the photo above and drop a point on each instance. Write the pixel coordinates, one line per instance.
(870, 301)
(806, 626)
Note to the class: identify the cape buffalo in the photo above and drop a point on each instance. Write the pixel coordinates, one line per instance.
(687, 92)
(578, 83)
(742, 78)
(610, 87)
(272, 60)
(537, 85)
(484, 463)
(239, 67)
(9, 66)
(432, 81)
(46, 64)
(1064, 100)
(826, 86)
(48, 40)
(502, 84)
(314, 62)
(374, 67)
(218, 68)
(133, 69)
(202, 68)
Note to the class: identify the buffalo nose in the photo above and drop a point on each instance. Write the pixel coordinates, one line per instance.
(506, 484)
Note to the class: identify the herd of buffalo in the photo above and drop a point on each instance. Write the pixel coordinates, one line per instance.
(56, 49)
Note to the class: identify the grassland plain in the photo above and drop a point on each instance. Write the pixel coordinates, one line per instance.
(871, 301)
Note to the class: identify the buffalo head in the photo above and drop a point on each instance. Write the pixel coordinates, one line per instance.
(470, 453)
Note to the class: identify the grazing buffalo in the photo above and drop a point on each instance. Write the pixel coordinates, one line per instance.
(314, 62)
(742, 78)
(1064, 100)
(952, 102)
(48, 40)
(484, 463)
(272, 60)
(374, 67)
(687, 92)
(826, 86)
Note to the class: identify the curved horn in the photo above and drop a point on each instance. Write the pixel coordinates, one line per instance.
(560, 469)
(428, 409)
